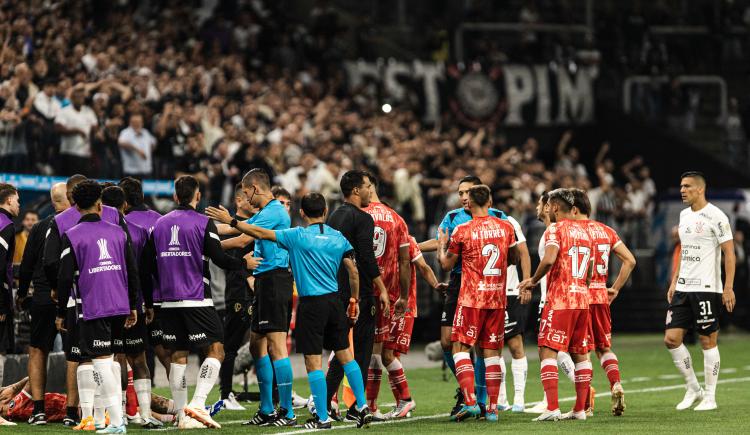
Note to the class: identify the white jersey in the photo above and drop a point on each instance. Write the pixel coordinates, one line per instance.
(701, 233)
(511, 283)
(543, 281)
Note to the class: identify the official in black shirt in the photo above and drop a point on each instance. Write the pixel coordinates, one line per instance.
(358, 228)
(238, 299)
(42, 306)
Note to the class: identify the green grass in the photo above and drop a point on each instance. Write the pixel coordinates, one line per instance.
(644, 364)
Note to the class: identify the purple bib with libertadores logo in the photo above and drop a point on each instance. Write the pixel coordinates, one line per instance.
(178, 239)
(100, 248)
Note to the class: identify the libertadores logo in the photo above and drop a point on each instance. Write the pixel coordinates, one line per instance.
(103, 252)
(175, 241)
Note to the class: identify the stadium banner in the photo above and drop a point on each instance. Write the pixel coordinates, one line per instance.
(514, 95)
(43, 183)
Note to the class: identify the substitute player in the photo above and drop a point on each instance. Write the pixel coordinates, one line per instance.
(316, 252)
(484, 244)
(565, 319)
(179, 249)
(98, 268)
(135, 337)
(451, 220)
(136, 212)
(391, 245)
(696, 294)
(606, 241)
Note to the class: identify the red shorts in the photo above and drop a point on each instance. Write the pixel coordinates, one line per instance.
(21, 407)
(484, 327)
(399, 335)
(564, 330)
(382, 325)
(600, 328)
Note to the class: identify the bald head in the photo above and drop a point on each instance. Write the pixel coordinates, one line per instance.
(59, 196)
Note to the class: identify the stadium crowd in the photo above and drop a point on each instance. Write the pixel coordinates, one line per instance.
(242, 89)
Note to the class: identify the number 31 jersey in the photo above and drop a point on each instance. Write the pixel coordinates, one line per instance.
(483, 245)
(566, 281)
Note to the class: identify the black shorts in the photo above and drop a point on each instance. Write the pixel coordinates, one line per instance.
(43, 330)
(155, 330)
(272, 301)
(236, 324)
(100, 337)
(321, 324)
(71, 338)
(451, 300)
(515, 317)
(695, 309)
(135, 337)
(187, 328)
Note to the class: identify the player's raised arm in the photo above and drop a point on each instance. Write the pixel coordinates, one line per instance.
(222, 215)
(730, 261)
(628, 264)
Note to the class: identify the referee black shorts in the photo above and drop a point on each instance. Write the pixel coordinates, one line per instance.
(321, 324)
(43, 330)
(451, 300)
(695, 309)
(515, 317)
(272, 301)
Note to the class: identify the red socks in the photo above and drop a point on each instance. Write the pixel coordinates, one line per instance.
(583, 382)
(612, 367)
(397, 380)
(131, 398)
(465, 376)
(549, 382)
(374, 375)
(493, 376)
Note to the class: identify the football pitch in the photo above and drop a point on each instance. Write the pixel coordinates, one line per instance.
(652, 387)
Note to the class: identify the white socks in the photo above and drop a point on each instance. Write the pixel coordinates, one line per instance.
(86, 389)
(143, 392)
(376, 362)
(178, 386)
(502, 398)
(684, 363)
(117, 373)
(565, 362)
(100, 419)
(207, 376)
(111, 390)
(711, 364)
(519, 368)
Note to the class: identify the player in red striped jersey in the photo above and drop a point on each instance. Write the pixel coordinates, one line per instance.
(565, 318)
(484, 245)
(391, 246)
(605, 241)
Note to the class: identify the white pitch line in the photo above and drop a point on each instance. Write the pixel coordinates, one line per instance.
(434, 416)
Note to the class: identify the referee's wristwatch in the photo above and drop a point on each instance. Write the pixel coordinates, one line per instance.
(233, 223)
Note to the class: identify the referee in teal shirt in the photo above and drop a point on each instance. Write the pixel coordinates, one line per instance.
(316, 252)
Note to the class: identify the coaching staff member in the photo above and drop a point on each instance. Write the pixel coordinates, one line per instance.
(359, 229)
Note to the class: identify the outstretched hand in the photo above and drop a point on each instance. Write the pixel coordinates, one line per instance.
(219, 214)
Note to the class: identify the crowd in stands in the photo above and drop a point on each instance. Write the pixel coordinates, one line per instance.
(156, 91)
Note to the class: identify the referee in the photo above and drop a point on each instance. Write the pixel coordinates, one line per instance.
(359, 229)
(42, 307)
(316, 253)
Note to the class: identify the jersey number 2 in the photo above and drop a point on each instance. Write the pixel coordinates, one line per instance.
(579, 260)
(493, 252)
